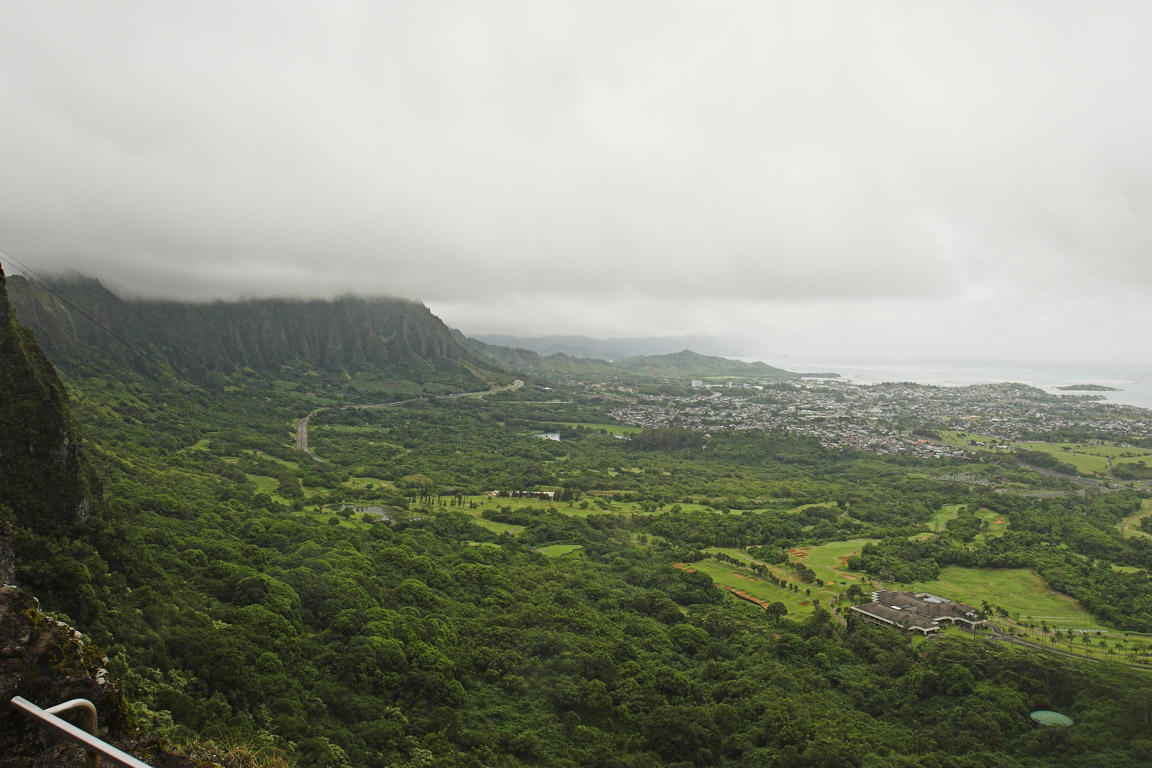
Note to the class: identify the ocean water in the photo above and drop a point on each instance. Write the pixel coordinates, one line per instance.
(1134, 384)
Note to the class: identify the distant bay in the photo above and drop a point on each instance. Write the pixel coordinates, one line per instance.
(1133, 385)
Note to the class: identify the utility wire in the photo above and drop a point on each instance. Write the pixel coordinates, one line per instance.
(43, 283)
(40, 281)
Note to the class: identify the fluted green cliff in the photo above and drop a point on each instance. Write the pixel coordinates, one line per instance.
(45, 482)
(84, 325)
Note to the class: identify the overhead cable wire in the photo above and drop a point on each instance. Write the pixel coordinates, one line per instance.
(41, 282)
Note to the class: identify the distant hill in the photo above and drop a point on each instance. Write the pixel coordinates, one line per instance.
(586, 347)
(527, 361)
(679, 365)
(690, 364)
(349, 333)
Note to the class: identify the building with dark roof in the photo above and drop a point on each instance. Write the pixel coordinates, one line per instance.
(917, 612)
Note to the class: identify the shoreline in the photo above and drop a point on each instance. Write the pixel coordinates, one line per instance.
(1133, 388)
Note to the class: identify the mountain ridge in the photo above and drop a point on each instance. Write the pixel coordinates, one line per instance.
(588, 347)
(684, 364)
(346, 334)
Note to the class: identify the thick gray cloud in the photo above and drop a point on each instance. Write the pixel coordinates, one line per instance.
(891, 178)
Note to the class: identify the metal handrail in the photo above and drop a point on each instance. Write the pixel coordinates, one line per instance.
(95, 747)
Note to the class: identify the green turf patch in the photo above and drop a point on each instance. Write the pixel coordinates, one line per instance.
(1019, 591)
(563, 550)
(269, 457)
(799, 604)
(829, 560)
(263, 483)
(365, 481)
(940, 519)
(495, 527)
(1129, 526)
(965, 439)
(612, 429)
(997, 524)
(582, 508)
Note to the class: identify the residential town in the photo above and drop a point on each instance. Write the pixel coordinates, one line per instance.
(896, 418)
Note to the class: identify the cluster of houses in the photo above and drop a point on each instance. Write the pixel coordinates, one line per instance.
(874, 418)
(917, 612)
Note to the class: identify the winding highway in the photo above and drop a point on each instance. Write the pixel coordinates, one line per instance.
(302, 424)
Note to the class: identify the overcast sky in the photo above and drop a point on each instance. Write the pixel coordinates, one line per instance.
(900, 180)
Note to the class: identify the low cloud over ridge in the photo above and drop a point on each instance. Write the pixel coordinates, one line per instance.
(880, 178)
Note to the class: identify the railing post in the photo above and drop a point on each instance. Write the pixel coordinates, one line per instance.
(93, 721)
(93, 745)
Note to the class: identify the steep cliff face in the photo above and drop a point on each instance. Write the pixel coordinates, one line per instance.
(7, 555)
(45, 482)
(47, 487)
(348, 333)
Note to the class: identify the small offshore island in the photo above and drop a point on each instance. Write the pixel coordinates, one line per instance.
(1088, 388)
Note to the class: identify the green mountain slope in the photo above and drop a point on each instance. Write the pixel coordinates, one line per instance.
(679, 365)
(688, 363)
(349, 334)
(612, 349)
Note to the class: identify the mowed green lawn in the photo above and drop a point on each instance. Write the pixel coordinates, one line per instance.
(489, 503)
(496, 527)
(365, 481)
(997, 523)
(1090, 459)
(1087, 459)
(960, 438)
(828, 559)
(573, 509)
(563, 550)
(1019, 591)
(264, 484)
(612, 429)
(940, 520)
(1128, 526)
(798, 604)
(1085, 463)
(563, 507)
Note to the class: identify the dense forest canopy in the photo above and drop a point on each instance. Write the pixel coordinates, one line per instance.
(440, 585)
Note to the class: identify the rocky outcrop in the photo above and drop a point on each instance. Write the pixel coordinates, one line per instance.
(7, 555)
(45, 482)
(46, 486)
(47, 662)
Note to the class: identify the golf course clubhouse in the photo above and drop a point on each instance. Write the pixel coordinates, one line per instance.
(917, 612)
